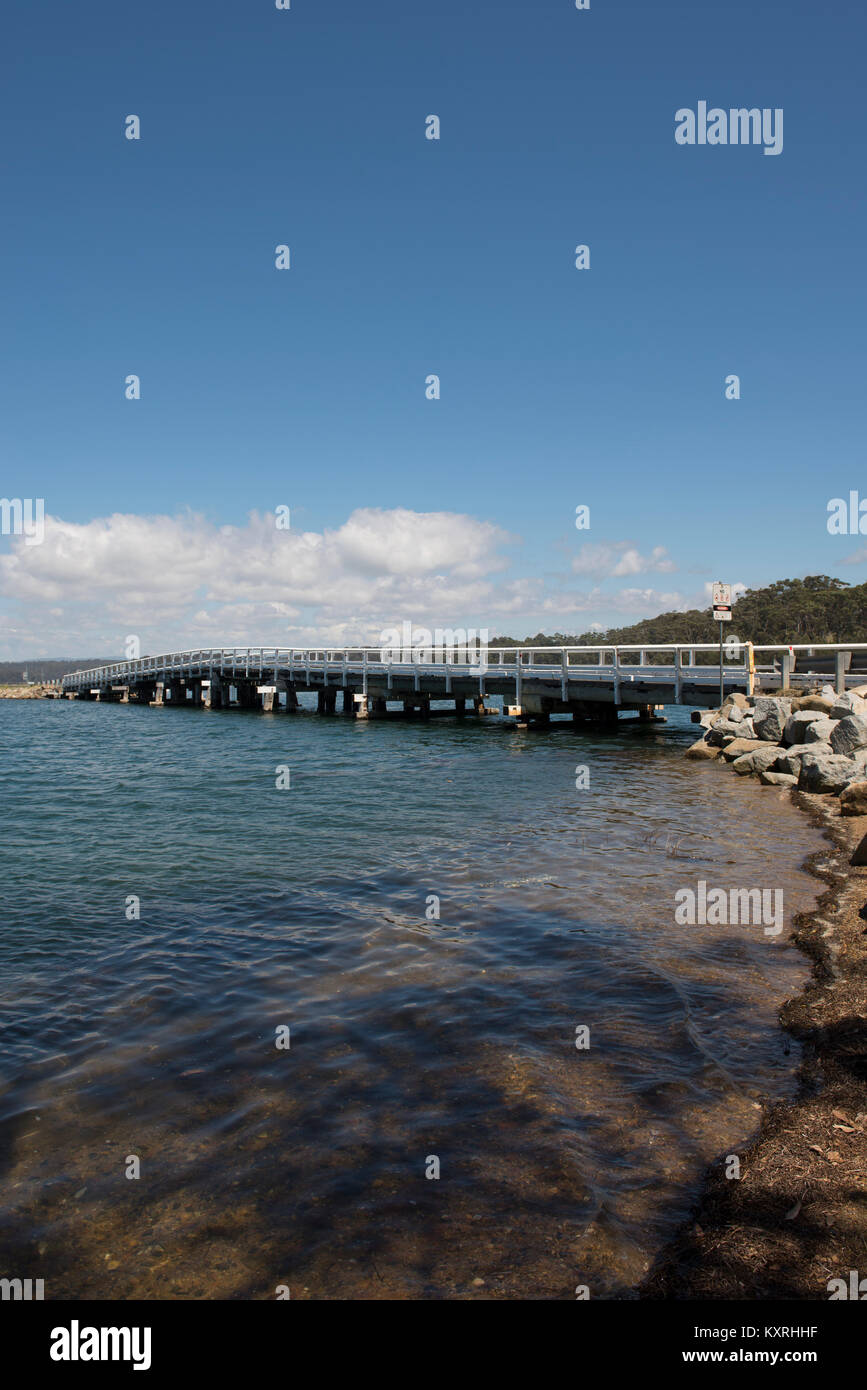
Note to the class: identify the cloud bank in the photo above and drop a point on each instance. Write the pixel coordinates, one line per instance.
(184, 581)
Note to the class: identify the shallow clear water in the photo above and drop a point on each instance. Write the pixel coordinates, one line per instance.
(410, 1038)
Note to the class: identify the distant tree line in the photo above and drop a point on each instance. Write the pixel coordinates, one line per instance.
(45, 669)
(816, 609)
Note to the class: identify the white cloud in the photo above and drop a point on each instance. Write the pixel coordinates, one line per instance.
(179, 582)
(619, 558)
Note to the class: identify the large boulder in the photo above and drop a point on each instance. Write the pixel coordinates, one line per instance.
(769, 717)
(735, 702)
(759, 760)
(798, 723)
(858, 763)
(739, 746)
(824, 772)
(820, 731)
(724, 729)
(821, 704)
(777, 779)
(853, 799)
(850, 703)
(790, 761)
(849, 735)
(702, 750)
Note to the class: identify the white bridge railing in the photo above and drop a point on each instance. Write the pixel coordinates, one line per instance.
(669, 663)
(544, 660)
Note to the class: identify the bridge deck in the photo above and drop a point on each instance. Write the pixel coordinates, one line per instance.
(532, 681)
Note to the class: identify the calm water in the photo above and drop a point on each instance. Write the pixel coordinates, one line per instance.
(410, 1038)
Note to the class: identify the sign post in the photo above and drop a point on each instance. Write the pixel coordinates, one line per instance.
(722, 611)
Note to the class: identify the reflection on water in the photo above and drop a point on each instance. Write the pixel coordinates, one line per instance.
(410, 1038)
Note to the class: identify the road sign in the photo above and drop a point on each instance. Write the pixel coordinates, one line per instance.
(722, 603)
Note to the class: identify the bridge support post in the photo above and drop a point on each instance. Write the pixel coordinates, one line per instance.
(349, 706)
(786, 672)
(361, 707)
(247, 697)
(460, 707)
(212, 693)
(326, 700)
(159, 694)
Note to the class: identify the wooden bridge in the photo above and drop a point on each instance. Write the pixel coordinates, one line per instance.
(532, 683)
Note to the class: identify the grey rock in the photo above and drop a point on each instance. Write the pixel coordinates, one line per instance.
(724, 728)
(797, 725)
(820, 731)
(777, 779)
(790, 761)
(858, 762)
(849, 735)
(850, 703)
(824, 772)
(759, 760)
(770, 717)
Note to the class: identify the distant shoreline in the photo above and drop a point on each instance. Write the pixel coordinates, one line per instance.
(23, 692)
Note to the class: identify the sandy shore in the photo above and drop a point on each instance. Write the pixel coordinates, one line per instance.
(797, 1217)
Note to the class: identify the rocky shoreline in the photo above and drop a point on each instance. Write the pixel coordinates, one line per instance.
(817, 743)
(796, 1219)
(23, 692)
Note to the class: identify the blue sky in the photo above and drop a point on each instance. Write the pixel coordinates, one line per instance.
(306, 387)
